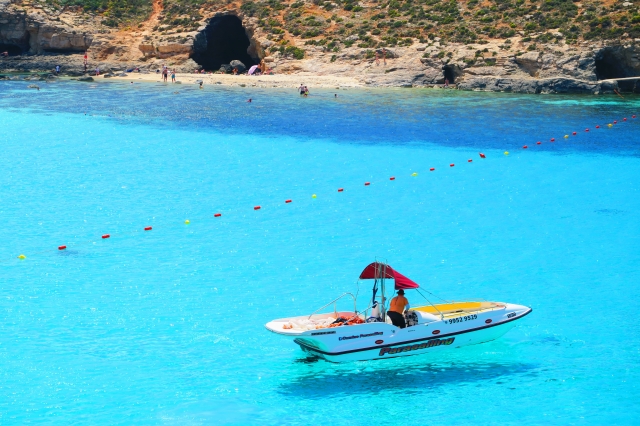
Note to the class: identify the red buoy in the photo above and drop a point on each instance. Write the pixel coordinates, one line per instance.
(633, 116)
(553, 139)
(482, 155)
(105, 236)
(538, 143)
(62, 247)
(525, 147)
(432, 169)
(470, 160)
(615, 122)
(367, 184)
(392, 178)
(451, 165)
(340, 189)
(586, 130)
(597, 127)
(217, 215)
(287, 201)
(256, 208)
(624, 119)
(574, 133)
(148, 228)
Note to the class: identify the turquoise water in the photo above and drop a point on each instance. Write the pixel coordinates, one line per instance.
(166, 326)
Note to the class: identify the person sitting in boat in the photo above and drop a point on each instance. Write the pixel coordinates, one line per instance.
(396, 309)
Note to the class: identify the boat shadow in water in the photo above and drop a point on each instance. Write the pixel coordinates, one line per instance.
(407, 377)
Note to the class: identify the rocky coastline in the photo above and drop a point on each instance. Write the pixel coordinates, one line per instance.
(46, 40)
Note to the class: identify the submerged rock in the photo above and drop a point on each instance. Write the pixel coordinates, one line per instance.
(87, 78)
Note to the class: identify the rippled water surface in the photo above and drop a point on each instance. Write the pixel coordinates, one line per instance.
(167, 326)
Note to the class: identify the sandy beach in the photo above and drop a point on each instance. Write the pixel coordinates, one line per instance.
(278, 80)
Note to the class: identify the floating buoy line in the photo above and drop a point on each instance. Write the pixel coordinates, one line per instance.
(314, 196)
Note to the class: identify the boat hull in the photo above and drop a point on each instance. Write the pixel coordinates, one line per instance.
(383, 341)
(421, 347)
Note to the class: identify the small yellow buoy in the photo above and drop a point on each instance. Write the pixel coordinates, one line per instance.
(22, 256)
(414, 174)
(187, 222)
(610, 125)
(506, 153)
(313, 196)
(566, 136)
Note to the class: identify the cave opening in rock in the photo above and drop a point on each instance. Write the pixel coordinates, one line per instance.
(11, 49)
(449, 74)
(225, 40)
(612, 64)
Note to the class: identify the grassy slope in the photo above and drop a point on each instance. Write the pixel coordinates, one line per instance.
(333, 24)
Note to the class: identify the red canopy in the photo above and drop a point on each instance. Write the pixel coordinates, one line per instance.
(380, 270)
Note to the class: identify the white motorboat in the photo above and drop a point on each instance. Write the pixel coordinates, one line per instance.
(370, 334)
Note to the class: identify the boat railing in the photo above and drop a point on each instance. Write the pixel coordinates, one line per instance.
(334, 306)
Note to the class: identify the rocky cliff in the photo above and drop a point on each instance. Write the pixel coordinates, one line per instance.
(529, 48)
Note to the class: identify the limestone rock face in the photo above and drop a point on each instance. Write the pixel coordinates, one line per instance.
(552, 85)
(36, 37)
(39, 38)
(175, 49)
(64, 41)
(529, 62)
(147, 49)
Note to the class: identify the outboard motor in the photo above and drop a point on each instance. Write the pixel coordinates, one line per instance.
(375, 313)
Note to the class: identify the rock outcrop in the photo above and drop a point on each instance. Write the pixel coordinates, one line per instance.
(38, 39)
(36, 36)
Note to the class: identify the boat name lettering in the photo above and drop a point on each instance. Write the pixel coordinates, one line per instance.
(463, 319)
(348, 337)
(511, 315)
(377, 333)
(417, 346)
(318, 333)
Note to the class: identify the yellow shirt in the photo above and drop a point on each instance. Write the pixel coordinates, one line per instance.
(398, 303)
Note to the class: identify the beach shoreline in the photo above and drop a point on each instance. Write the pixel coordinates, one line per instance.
(262, 81)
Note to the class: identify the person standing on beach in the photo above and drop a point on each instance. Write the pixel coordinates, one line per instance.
(97, 70)
(86, 57)
(173, 76)
(377, 58)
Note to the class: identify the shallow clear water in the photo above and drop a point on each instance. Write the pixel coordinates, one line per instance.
(166, 326)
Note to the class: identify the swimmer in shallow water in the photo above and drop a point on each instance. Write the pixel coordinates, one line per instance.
(201, 85)
(249, 100)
